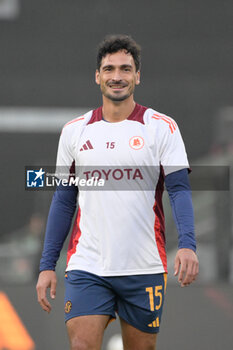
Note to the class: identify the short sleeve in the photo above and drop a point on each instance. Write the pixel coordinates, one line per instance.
(65, 164)
(173, 155)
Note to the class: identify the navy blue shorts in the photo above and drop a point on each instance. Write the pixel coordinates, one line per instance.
(137, 299)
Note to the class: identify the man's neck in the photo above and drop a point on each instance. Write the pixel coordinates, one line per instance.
(117, 111)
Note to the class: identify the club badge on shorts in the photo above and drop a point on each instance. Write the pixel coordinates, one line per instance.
(68, 306)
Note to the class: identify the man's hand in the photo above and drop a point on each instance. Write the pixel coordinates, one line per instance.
(187, 265)
(47, 279)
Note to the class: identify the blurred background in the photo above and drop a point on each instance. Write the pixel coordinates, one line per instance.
(47, 66)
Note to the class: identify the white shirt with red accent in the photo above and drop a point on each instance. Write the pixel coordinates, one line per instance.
(119, 230)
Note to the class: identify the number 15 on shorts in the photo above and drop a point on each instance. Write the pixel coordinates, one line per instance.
(153, 292)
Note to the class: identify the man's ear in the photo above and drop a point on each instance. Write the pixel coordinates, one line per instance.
(138, 75)
(97, 77)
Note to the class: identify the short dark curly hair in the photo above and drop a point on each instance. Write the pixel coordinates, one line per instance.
(115, 43)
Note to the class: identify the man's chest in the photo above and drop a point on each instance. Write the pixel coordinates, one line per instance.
(125, 143)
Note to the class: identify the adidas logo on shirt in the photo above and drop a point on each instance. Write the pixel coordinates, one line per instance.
(87, 145)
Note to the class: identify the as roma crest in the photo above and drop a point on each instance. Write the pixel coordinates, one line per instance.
(136, 142)
(68, 306)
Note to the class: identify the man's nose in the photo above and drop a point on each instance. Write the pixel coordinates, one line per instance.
(116, 75)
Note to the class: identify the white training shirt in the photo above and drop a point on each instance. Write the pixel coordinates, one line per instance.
(119, 229)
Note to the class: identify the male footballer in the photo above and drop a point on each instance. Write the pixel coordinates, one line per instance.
(116, 261)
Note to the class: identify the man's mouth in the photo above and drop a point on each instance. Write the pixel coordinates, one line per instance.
(116, 87)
